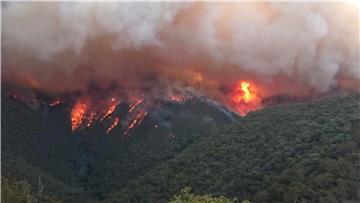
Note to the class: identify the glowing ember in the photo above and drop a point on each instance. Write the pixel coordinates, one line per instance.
(110, 109)
(77, 115)
(177, 98)
(139, 117)
(91, 119)
(55, 103)
(136, 103)
(113, 125)
(245, 98)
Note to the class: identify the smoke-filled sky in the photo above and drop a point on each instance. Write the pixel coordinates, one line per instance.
(296, 48)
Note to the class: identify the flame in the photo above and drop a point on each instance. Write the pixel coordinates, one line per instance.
(245, 97)
(77, 115)
(86, 113)
(113, 125)
(90, 119)
(136, 103)
(242, 93)
(247, 94)
(139, 117)
(137, 111)
(111, 108)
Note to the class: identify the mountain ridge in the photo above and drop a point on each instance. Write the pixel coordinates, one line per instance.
(271, 155)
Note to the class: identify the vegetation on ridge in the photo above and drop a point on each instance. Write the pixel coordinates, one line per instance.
(305, 152)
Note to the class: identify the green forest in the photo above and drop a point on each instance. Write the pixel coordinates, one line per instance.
(301, 152)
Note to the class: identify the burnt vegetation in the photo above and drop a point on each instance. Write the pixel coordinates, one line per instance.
(303, 152)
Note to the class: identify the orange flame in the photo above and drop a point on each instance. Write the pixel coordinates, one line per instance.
(84, 114)
(77, 115)
(111, 108)
(242, 93)
(136, 103)
(245, 98)
(135, 122)
(247, 94)
(113, 125)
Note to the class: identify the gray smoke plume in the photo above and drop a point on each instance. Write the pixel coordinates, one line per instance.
(283, 47)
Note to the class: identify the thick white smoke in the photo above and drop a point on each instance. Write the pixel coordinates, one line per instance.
(313, 44)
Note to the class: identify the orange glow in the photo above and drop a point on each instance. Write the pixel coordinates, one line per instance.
(135, 122)
(55, 103)
(84, 114)
(110, 109)
(136, 103)
(77, 115)
(90, 119)
(242, 93)
(113, 125)
(247, 94)
(245, 97)
(177, 98)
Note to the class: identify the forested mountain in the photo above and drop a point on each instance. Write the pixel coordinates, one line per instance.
(38, 146)
(33, 150)
(306, 152)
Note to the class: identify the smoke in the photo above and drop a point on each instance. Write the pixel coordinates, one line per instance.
(296, 48)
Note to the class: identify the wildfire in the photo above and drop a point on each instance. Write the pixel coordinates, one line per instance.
(77, 115)
(139, 117)
(85, 113)
(247, 94)
(111, 108)
(245, 98)
(242, 93)
(136, 102)
(113, 125)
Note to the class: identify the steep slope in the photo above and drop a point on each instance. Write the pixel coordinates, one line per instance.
(169, 129)
(39, 144)
(33, 148)
(307, 152)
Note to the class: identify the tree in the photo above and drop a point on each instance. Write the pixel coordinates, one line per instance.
(185, 196)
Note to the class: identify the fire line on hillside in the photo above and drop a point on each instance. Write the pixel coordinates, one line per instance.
(85, 112)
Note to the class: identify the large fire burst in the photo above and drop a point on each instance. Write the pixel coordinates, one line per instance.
(245, 97)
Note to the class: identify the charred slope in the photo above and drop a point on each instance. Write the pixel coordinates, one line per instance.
(37, 142)
(303, 152)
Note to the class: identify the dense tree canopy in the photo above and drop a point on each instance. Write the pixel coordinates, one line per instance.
(305, 152)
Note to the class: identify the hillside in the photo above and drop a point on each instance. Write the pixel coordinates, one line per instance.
(306, 152)
(34, 148)
(117, 160)
(38, 144)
